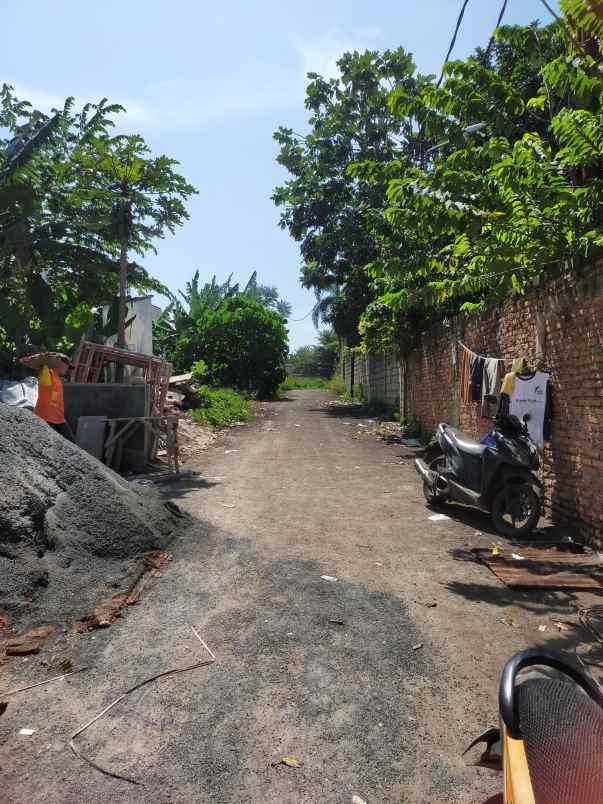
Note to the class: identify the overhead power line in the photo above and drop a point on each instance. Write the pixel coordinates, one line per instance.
(498, 24)
(453, 40)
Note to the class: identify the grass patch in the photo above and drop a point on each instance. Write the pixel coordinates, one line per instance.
(221, 406)
(294, 383)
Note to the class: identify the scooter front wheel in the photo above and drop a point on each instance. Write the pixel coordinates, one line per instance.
(516, 510)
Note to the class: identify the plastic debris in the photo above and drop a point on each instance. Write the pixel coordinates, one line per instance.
(290, 762)
(27, 732)
(517, 557)
(337, 622)
(328, 577)
(226, 505)
(418, 646)
(358, 800)
(542, 627)
(438, 517)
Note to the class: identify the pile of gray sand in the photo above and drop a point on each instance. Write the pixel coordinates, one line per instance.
(69, 526)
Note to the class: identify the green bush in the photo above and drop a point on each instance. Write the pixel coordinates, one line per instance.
(244, 346)
(293, 383)
(221, 406)
(337, 385)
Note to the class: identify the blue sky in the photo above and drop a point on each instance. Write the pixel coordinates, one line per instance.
(208, 84)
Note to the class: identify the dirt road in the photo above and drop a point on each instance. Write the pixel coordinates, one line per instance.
(375, 689)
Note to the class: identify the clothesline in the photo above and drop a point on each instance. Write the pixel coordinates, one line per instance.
(471, 352)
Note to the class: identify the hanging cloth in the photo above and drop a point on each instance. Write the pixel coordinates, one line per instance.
(494, 370)
(532, 395)
(476, 377)
(464, 369)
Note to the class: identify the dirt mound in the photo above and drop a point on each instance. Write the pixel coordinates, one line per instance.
(68, 524)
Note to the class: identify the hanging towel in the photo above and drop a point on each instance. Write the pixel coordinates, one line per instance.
(464, 368)
(476, 372)
(520, 365)
(494, 370)
(508, 384)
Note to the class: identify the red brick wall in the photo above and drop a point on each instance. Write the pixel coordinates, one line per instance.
(557, 327)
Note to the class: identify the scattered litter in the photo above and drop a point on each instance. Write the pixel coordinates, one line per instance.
(438, 517)
(146, 681)
(508, 621)
(542, 627)
(496, 551)
(429, 604)
(516, 556)
(363, 425)
(337, 622)
(228, 451)
(418, 646)
(378, 564)
(225, 505)
(27, 732)
(478, 533)
(562, 625)
(290, 762)
(298, 425)
(358, 800)
(410, 442)
(47, 681)
(328, 577)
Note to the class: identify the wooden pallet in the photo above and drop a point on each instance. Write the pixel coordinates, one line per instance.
(119, 431)
(546, 569)
(91, 358)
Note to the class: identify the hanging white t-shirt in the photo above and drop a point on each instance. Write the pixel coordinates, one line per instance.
(530, 396)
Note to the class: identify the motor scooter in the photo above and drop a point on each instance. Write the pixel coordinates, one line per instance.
(550, 740)
(498, 475)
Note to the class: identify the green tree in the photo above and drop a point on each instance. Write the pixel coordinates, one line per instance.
(317, 360)
(132, 199)
(324, 207)
(176, 332)
(244, 345)
(53, 267)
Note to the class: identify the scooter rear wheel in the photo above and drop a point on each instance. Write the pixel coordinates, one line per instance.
(433, 496)
(516, 510)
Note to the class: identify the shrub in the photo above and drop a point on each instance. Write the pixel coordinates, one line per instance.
(244, 346)
(337, 385)
(221, 406)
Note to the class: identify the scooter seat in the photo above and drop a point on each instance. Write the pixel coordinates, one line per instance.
(465, 443)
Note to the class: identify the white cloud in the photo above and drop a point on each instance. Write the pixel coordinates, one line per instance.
(45, 101)
(322, 55)
(156, 113)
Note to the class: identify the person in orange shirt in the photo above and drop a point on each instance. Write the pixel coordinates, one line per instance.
(50, 405)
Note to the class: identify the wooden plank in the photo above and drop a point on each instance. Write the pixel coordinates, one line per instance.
(545, 569)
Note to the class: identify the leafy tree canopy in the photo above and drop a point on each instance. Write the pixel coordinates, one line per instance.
(318, 360)
(445, 199)
(58, 242)
(244, 345)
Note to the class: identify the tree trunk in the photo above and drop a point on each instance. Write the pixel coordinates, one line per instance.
(123, 305)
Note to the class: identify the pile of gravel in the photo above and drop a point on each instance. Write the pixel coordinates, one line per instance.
(69, 526)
